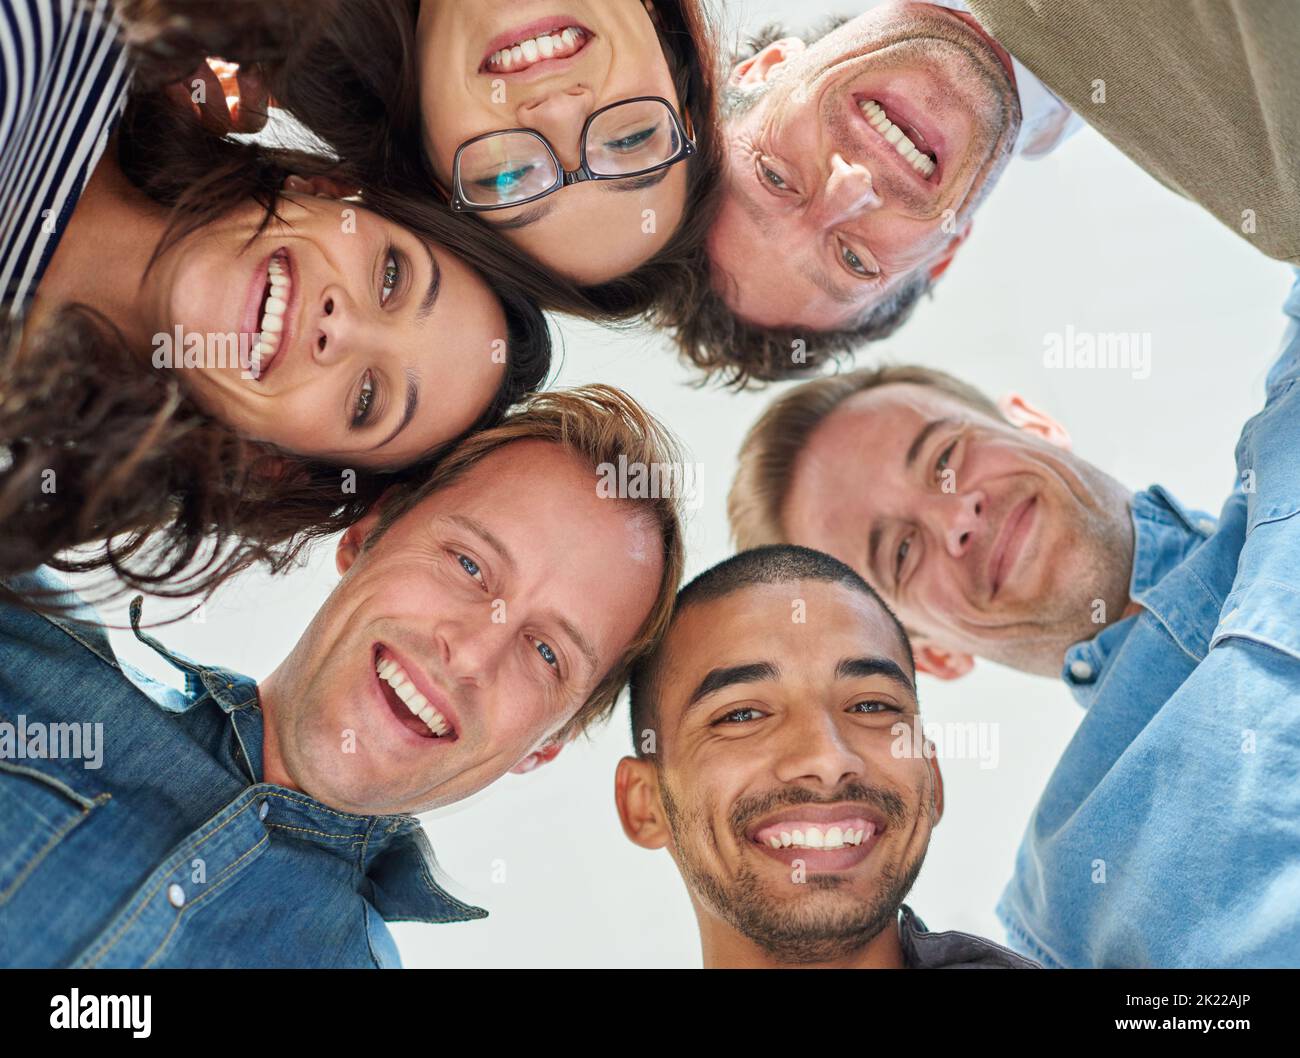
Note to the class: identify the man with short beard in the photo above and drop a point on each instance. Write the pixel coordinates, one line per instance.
(1169, 833)
(486, 614)
(857, 157)
(775, 730)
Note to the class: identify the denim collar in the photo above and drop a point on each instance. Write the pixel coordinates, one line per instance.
(1164, 534)
(395, 854)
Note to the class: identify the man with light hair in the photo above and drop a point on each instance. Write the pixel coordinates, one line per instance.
(268, 823)
(1169, 834)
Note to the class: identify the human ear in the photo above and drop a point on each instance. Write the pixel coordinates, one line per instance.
(757, 69)
(1024, 416)
(544, 754)
(940, 663)
(636, 794)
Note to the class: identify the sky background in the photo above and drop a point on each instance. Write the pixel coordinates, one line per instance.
(1081, 239)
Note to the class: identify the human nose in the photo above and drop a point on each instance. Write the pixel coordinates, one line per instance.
(817, 754)
(560, 117)
(961, 517)
(336, 327)
(472, 648)
(849, 192)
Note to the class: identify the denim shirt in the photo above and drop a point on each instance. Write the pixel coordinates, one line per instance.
(173, 852)
(1169, 833)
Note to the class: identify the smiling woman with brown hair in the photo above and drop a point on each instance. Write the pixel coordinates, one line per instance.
(206, 358)
(582, 138)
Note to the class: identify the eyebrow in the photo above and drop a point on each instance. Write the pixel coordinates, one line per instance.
(493, 541)
(718, 679)
(865, 667)
(580, 641)
(635, 183)
(829, 287)
(412, 402)
(918, 442)
(435, 286)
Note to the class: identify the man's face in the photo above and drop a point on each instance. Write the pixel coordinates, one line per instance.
(823, 216)
(986, 539)
(793, 819)
(502, 600)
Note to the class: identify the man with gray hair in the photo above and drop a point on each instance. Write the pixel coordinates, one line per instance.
(858, 157)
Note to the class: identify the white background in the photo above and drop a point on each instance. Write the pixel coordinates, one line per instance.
(1081, 238)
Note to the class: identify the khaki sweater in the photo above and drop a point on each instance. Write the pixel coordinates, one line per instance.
(1203, 94)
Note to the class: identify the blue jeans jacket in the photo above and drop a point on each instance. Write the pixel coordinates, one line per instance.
(1169, 833)
(135, 829)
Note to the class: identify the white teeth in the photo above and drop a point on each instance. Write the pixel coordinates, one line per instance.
(272, 324)
(834, 837)
(895, 136)
(395, 676)
(547, 46)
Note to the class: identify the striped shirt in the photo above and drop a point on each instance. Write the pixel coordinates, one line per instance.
(63, 84)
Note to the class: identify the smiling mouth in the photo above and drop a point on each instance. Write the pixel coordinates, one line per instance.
(272, 313)
(905, 139)
(562, 42)
(1010, 545)
(813, 836)
(407, 703)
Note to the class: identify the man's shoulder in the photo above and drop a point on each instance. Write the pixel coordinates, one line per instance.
(953, 950)
(59, 619)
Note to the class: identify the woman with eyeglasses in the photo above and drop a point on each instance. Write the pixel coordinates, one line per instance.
(207, 355)
(580, 133)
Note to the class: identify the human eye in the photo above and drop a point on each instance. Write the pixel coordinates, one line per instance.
(900, 557)
(855, 264)
(631, 141)
(546, 653)
(872, 707)
(471, 567)
(941, 464)
(506, 179)
(773, 180)
(743, 715)
(365, 403)
(394, 270)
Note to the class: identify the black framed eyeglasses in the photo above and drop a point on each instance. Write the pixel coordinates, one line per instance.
(513, 167)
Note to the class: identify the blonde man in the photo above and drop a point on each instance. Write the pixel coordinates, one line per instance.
(482, 619)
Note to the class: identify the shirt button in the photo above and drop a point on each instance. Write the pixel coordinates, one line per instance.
(1206, 525)
(176, 895)
(1080, 670)
(261, 812)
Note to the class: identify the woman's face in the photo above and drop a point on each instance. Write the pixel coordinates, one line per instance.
(590, 232)
(363, 345)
